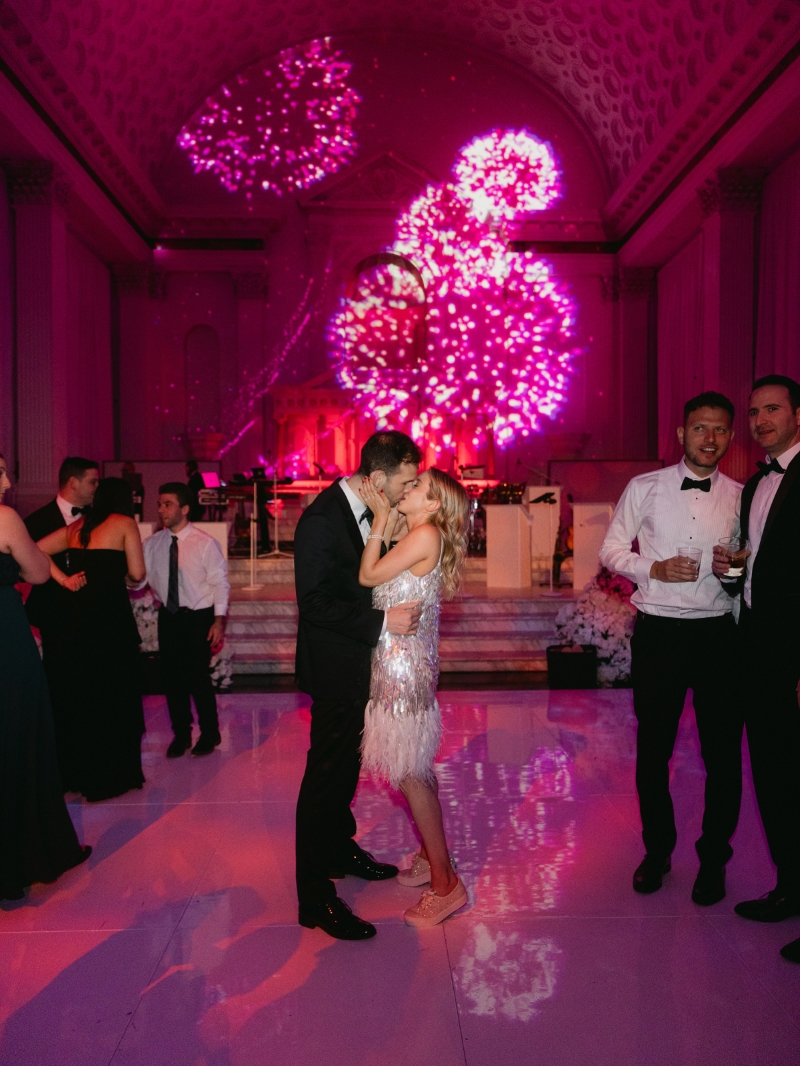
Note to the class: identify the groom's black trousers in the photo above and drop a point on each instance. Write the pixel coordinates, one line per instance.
(325, 823)
(669, 657)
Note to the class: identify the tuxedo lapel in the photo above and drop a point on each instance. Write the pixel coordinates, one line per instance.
(748, 492)
(349, 520)
(787, 481)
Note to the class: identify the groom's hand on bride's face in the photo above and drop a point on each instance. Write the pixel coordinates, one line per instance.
(402, 620)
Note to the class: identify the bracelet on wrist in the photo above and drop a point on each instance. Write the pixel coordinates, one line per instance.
(375, 536)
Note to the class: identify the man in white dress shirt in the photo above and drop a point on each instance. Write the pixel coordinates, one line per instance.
(769, 647)
(683, 639)
(187, 571)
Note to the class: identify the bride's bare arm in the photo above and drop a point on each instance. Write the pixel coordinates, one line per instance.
(419, 546)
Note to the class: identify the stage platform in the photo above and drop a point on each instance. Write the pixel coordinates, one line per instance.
(482, 630)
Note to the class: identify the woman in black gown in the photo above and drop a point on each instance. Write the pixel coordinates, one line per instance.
(37, 838)
(93, 664)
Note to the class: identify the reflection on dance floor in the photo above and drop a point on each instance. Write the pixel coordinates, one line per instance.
(177, 943)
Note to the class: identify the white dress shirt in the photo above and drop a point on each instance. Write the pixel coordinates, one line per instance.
(202, 570)
(66, 510)
(662, 517)
(357, 506)
(759, 509)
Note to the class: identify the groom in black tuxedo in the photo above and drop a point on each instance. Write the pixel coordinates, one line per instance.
(769, 627)
(337, 630)
(78, 479)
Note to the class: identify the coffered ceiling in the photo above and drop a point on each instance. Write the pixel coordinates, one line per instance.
(648, 79)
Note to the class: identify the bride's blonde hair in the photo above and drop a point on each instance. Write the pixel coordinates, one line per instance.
(452, 521)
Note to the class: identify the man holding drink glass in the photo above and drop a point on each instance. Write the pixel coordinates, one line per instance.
(683, 638)
(769, 631)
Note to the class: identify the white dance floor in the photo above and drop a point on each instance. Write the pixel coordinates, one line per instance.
(177, 943)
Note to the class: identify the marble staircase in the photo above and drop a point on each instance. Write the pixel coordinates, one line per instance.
(503, 632)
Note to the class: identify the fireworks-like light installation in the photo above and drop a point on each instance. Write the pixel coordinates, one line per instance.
(491, 341)
(279, 127)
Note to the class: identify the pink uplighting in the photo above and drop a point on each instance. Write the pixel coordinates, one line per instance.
(467, 330)
(277, 128)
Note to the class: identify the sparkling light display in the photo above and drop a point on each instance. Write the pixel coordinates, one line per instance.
(281, 127)
(491, 341)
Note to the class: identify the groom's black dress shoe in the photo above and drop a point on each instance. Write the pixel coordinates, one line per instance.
(648, 875)
(709, 888)
(773, 907)
(791, 951)
(362, 864)
(178, 746)
(337, 920)
(206, 744)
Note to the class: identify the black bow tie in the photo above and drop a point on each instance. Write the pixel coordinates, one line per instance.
(367, 515)
(768, 468)
(79, 510)
(702, 486)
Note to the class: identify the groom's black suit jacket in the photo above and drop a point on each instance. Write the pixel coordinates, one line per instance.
(338, 626)
(775, 588)
(41, 599)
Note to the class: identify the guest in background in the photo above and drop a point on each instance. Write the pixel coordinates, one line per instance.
(134, 479)
(684, 638)
(196, 485)
(37, 837)
(77, 483)
(769, 648)
(187, 571)
(93, 664)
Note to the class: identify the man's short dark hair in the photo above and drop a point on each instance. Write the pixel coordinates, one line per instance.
(707, 399)
(177, 488)
(387, 451)
(792, 387)
(75, 466)
(191, 466)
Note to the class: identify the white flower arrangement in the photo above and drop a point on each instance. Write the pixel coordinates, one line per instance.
(602, 615)
(145, 610)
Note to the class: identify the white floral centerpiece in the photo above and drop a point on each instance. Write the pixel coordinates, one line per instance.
(145, 610)
(602, 615)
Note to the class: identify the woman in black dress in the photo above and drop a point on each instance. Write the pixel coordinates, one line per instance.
(93, 665)
(37, 838)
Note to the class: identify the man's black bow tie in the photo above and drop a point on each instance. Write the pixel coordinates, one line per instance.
(366, 516)
(768, 468)
(703, 486)
(80, 510)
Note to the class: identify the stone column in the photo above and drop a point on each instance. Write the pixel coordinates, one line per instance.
(730, 204)
(251, 290)
(7, 393)
(38, 194)
(132, 282)
(631, 288)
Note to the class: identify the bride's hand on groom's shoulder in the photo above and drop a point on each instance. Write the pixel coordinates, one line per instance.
(375, 499)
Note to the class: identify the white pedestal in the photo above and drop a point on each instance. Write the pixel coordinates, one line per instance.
(508, 547)
(217, 530)
(546, 518)
(590, 522)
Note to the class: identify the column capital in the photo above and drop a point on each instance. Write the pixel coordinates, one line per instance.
(157, 284)
(250, 286)
(36, 182)
(631, 282)
(732, 189)
(130, 277)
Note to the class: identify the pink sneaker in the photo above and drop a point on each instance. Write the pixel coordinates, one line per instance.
(433, 909)
(418, 873)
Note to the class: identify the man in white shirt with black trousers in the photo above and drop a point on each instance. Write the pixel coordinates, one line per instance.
(187, 571)
(684, 638)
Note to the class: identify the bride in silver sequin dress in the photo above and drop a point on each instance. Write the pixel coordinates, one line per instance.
(402, 723)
